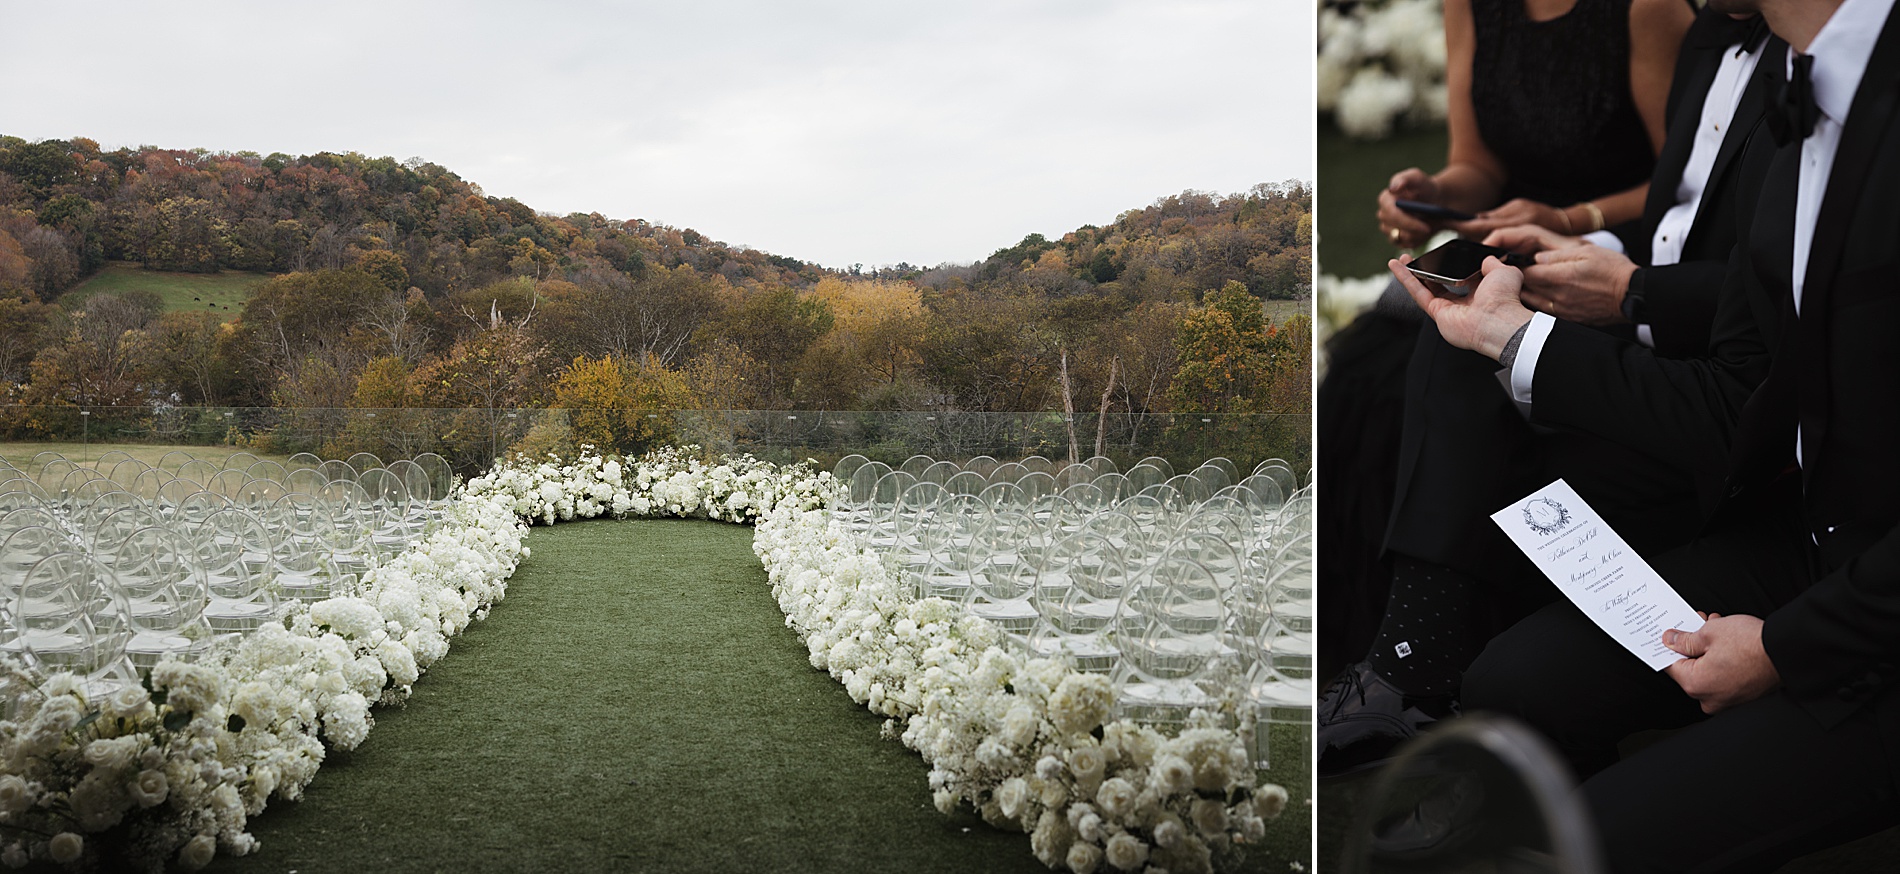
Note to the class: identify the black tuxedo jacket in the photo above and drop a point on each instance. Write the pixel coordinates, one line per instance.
(1680, 299)
(1834, 370)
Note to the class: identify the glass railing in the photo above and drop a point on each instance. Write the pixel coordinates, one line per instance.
(472, 438)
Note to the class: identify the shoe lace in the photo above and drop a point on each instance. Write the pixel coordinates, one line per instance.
(1342, 687)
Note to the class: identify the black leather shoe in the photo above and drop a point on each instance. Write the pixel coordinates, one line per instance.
(1362, 717)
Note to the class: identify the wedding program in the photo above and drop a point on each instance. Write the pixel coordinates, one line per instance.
(1599, 572)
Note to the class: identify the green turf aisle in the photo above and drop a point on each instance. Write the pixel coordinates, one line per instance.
(636, 703)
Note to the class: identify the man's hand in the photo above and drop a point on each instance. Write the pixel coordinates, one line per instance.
(1518, 211)
(1402, 228)
(1482, 321)
(1724, 664)
(1531, 239)
(1584, 284)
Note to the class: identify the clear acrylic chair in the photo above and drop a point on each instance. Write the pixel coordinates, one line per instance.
(234, 550)
(165, 593)
(67, 615)
(1172, 635)
(1077, 596)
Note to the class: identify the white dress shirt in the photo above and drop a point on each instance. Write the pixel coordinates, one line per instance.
(1841, 50)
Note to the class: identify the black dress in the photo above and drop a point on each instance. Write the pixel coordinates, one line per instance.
(1552, 101)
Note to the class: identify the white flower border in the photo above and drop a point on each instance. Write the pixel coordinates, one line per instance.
(173, 771)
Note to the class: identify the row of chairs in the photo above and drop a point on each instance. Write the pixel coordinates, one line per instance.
(103, 574)
(1183, 595)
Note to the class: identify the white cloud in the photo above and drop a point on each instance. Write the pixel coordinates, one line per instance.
(838, 132)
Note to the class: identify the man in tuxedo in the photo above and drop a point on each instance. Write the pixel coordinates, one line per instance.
(1466, 450)
(1799, 565)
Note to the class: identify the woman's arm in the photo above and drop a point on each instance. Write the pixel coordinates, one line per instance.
(1473, 176)
(1656, 31)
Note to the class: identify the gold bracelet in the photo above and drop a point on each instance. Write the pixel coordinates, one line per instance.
(1596, 215)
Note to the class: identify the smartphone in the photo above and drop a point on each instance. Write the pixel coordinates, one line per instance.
(1432, 211)
(1460, 261)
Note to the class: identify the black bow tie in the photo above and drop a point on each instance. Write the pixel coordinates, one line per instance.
(1793, 115)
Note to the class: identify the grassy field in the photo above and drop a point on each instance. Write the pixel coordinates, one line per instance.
(1279, 311)
(20, 455)
(222, 293)
(1351, 173)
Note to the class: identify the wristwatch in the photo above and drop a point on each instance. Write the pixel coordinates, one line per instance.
(1633, 300)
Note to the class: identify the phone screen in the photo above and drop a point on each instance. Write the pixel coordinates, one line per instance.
(1454, 262)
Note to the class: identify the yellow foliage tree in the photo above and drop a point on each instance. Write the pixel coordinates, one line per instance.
(608, 402)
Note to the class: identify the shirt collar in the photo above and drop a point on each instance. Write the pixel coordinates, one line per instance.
(1841, 50)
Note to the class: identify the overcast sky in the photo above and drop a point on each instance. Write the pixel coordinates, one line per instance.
(839, 132)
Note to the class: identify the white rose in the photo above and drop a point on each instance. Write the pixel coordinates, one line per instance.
(111, 754)
(1087, 763)
(1084, 857)
(129, 702)
(1127, 852)
(149, 789)
(197, 852)
(1089, 827)
(1210, 817)
(66, 847)
(1173, 775)
(1019, 727)
(1011, 796)
(14, 794)
(1169, 832)
(1116, 797)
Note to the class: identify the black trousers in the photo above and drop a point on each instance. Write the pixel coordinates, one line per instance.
(1466, 451)
(1744, 790)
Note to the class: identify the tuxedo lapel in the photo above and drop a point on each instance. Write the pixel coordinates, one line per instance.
(1861, 135)
(1764, 442)
(1748, 112)
(1693, 92)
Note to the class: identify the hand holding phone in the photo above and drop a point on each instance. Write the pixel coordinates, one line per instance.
(1459, 262)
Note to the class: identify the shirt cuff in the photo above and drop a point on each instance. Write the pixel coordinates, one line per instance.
(1607, 240)
(1525, 367)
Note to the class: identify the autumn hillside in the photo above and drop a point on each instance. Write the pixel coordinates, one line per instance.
(381, 283)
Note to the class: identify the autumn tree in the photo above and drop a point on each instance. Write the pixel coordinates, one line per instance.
(1227, 360)
(608, 402)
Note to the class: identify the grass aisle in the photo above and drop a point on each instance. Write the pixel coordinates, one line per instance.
(636, 703)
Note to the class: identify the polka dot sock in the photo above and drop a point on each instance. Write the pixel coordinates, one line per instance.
(1424, 645)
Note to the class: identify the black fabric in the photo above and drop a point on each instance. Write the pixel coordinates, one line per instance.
(1357, 432)
(1466, 450)
(1552, 99)
(1425, 643)
(1824, 575)
(1700, 800)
